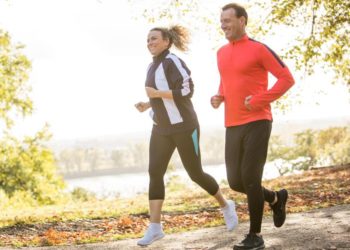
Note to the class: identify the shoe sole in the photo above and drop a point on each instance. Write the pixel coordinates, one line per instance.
(284, 203)
(255, 248)
(155, 239)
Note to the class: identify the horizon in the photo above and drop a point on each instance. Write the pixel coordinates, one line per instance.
(88, 70)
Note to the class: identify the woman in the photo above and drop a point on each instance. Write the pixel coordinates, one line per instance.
(170, 88)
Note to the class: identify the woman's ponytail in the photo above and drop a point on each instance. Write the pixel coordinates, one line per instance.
(177, 35)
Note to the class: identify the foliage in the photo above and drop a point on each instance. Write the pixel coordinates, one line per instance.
(192, 208)
(29, 166)
(14, 69)
(133, 156)
(193, 14)
(322, 26)
(279, 155)
(175, 184)
(81, 194)
(311, 148)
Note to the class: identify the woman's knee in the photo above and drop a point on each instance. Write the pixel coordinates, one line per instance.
(154, 173)
(197, 177)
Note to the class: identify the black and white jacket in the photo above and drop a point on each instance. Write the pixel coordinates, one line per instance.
(168, 72)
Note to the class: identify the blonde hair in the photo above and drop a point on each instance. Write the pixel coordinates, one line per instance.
(177, 35)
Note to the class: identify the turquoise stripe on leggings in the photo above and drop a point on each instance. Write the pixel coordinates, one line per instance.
(195, 141)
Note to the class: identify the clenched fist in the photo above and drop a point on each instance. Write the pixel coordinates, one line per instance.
(216, 100)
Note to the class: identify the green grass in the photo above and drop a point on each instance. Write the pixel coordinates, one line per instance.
(313, 189)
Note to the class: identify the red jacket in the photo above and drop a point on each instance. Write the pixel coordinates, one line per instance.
(244, 67)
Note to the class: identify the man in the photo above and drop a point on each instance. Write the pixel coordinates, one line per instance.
(244, 65)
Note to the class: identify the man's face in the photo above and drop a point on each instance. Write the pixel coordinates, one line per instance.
(231, 25)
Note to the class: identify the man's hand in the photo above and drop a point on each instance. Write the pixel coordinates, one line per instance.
(216, 100)
(152, 92)
(142, 106)
(246, 102)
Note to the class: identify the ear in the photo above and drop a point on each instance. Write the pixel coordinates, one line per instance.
(242, 20)
(168, 41)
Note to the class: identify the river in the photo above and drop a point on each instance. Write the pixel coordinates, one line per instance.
(129, 185)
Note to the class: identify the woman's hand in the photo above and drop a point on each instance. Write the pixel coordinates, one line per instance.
(142, 106)
(152, 92)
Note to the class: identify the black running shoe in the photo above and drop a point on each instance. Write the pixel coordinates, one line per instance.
(251, 242)
(279, 208)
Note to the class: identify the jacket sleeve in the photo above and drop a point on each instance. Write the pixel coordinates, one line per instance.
(273, 64)
(221, 89)
(179, 79)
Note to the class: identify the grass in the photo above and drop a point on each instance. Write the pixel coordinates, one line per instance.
(185, 208)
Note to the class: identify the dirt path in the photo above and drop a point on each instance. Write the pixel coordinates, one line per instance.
(327, 228)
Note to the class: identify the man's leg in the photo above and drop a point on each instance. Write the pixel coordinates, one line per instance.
(233, 157)
(256, 141)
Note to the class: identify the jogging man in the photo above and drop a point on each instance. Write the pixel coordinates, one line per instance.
(244, 65)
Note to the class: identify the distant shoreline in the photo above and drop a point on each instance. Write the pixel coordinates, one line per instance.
(102, 172)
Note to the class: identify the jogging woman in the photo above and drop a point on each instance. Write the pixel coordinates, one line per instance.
(169, 87)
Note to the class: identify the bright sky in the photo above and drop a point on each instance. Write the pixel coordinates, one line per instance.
(89, 65)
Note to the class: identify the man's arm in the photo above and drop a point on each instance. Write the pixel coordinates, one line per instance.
(273, 64)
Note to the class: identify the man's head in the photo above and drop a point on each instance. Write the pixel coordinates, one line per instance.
(233, 20)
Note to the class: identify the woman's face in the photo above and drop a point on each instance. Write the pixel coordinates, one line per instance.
(155, 42)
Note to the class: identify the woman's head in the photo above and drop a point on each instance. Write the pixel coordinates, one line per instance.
(160, 39)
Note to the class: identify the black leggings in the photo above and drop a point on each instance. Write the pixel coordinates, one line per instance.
(160, 151)
(245, 157)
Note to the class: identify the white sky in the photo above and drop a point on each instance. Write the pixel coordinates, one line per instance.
(89, 65)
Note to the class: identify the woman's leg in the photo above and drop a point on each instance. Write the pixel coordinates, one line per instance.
(160, 151)
(220, 199)
(188, 146)
(155, 209)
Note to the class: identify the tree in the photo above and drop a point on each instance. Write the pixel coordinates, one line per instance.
(14, 90)
(193, 14)
(29, 166)
(322, 27)
(26, 166)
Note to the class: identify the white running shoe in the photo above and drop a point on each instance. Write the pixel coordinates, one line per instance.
(152, 234)
(230, 215)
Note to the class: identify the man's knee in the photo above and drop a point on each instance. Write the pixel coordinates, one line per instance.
(252, 187)
(236, 186)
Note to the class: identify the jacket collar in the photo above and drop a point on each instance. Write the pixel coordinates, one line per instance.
(161, 56)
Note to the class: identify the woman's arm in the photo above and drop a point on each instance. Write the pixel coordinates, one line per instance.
(154, 93)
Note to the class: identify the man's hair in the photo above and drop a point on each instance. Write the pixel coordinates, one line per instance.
(240, 11)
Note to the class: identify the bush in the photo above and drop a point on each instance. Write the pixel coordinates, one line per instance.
(81, 194)
(29, 166)
(311, 148)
